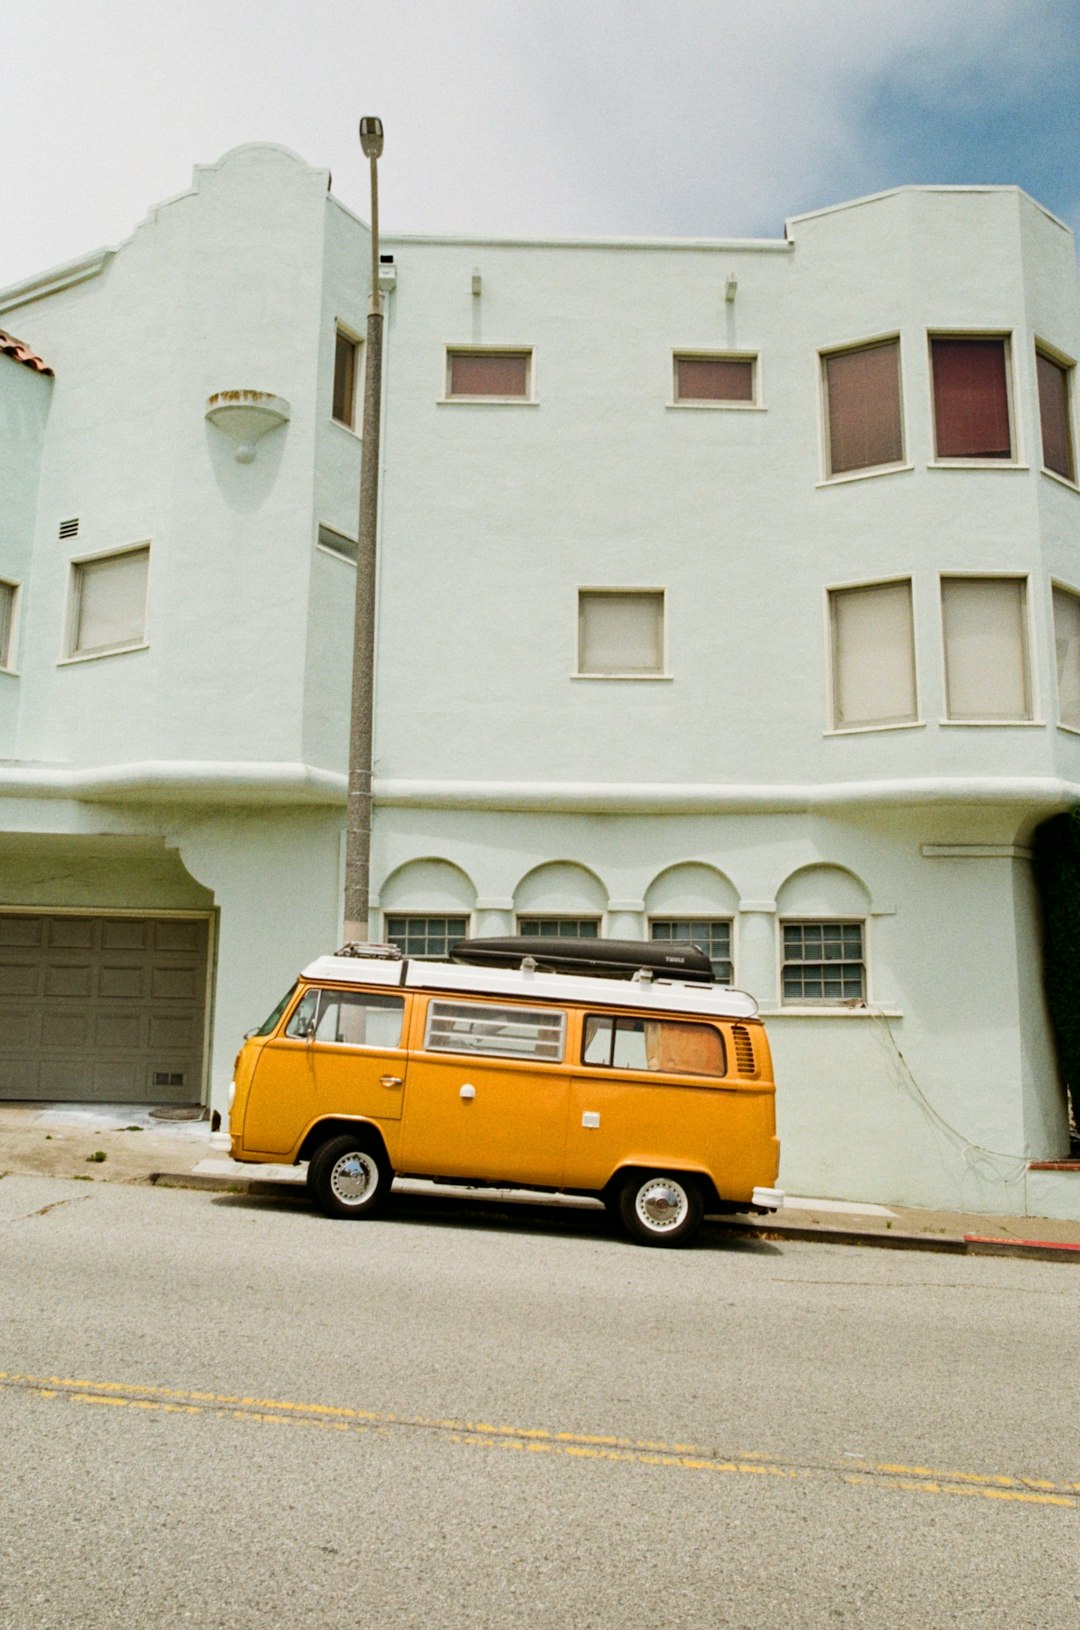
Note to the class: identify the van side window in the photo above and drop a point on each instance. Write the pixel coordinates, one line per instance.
(353, 1018)
(499, 1032)
(665, 1045)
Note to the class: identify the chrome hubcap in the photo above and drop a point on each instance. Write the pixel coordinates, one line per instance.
(354, 1177)
(662, 1204)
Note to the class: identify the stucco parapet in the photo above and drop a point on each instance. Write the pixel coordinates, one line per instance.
(926, 192)
(55, 279)
(1042, 793)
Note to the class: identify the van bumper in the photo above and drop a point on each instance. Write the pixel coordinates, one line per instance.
(767, 1199)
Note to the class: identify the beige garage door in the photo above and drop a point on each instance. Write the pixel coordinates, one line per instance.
(102, 1009)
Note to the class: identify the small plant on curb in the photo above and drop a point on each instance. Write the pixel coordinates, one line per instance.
(97, 1157)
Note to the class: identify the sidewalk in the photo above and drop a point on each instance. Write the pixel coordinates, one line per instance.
(68, 1141)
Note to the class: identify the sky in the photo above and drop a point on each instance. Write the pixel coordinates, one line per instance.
(689, 118)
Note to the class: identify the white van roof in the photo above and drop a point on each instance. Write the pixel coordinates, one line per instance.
(658, 995)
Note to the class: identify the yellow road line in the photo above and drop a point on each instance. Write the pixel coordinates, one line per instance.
(539, 1440)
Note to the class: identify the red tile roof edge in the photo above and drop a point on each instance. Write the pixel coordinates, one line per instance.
(11, 347)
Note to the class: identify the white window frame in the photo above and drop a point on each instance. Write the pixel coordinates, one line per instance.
(77, 566)
(328, 548)
(1036, 721)
(526, 351)
(701, 917)
(612, 592)
(426, 916)
(1058, 587)
(1069, 365)
(7, 656)
(689, 354)
(1016, 462)
(560, 917)
(834, 729)
(846, 1004)
(867, 472)
(357, 343)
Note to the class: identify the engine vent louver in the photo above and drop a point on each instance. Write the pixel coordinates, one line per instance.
(70, 529)
(744, 1049)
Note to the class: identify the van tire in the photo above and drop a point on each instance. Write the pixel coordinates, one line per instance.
(347, 1178)
(661, 1208)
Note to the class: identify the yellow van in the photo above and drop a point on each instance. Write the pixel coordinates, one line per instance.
(615, 1069)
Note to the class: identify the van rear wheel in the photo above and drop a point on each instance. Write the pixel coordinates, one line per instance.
(657, 1208)
(348, 1179)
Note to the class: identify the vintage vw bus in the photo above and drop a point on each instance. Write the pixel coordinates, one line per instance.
(615, 1069)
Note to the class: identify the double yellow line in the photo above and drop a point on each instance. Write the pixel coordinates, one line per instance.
(538, 1440)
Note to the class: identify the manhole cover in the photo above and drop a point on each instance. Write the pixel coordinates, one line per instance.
(178, 1112)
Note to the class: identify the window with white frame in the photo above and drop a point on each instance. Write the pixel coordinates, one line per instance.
(346, 377)
(823, 963)
(972, 417)
(418, 934)
(336, 543)
(700, 378)
(1055, 382)
(984, 620)
(488, 375)
(863, 421)
(1067, 649)
(873, 655)
(710, 934)
(563, 928)
(108, 603)
(496, 1032)
(9, 594)
(621, 632)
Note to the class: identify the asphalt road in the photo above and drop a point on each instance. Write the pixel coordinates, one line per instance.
(217, 1411)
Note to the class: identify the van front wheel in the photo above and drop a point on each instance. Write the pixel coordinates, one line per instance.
(658, 1209)
(348, 1180)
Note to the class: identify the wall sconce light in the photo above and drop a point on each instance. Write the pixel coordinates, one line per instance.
(731, 284)
(477, 282)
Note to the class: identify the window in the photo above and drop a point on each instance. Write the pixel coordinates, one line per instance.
(494, 376)
(563, 928)
(971, 398)
(823, 962)
(346, 375)
(1067, 643)
(714, 379)
(424, 936)
(873, 655)
(669, 1046)
(621, 632)
(862, 397)
(337, 544)
(9, 593)
(712, 934)
(348, 1018)
(496, 1032)
(1057, 445)
(108, 607)
(986, 661)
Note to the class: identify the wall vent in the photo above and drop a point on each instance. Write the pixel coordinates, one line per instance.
(744, 1049)
(168, 1078)
(70, 529)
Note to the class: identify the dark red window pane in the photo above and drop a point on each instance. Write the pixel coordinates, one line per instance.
(971, 399)
(489, 373)
(863, 390)
(1054, 413)
(714, 379)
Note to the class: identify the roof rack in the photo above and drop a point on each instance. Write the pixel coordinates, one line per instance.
(383, 953)
(606, 959)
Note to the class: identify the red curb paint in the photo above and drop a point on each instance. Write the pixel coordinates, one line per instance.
(1037, 1244)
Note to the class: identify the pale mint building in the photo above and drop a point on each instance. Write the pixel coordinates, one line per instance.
(728, 589)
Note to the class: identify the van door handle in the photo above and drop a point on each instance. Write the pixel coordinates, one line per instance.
(392, 1080)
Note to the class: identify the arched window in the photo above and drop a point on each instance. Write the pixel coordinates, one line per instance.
(695, 905)
(427, 906)
(822, 912)
(562, 899)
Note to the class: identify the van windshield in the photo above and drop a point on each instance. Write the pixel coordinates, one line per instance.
(269, 1024)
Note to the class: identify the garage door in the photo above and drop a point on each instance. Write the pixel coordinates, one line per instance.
(102, 1009)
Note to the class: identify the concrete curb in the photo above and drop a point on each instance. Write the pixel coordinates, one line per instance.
(773, 1231)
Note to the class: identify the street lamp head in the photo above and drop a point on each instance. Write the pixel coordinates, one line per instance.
(371, 137)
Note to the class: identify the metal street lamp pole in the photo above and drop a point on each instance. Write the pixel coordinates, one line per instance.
(361, 730)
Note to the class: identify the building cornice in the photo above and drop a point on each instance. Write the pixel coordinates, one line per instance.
(56, 279)
(173, 782)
